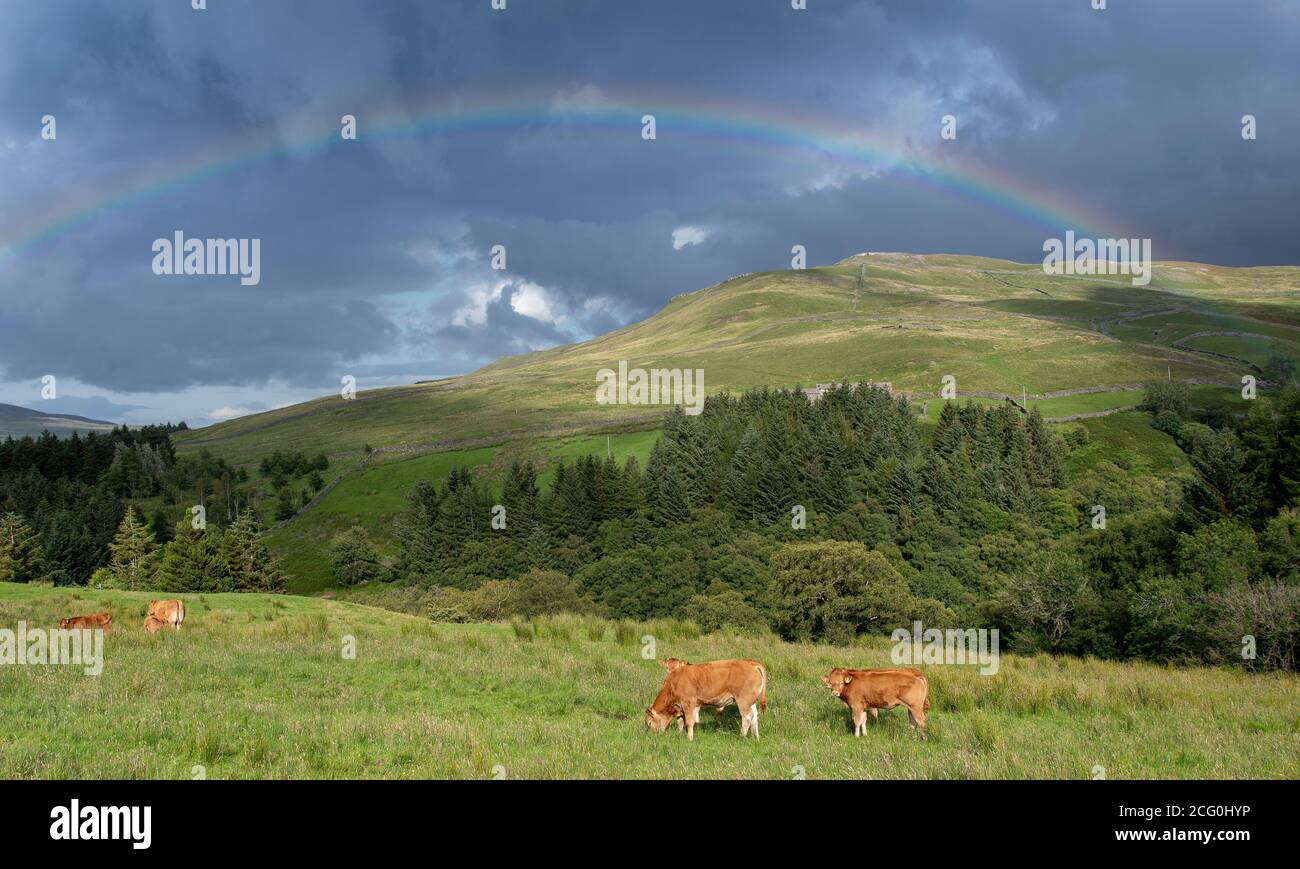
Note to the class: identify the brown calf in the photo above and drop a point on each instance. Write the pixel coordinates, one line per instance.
(672, 664)
(717, 684)
(869, 690)
(98, 620)
(169, 612)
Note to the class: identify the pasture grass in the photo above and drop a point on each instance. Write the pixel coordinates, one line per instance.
(256, 686)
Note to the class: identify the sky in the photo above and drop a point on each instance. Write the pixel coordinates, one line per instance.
(525, 127)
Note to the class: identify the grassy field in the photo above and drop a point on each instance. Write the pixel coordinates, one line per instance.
(994, 325)
(256, 686)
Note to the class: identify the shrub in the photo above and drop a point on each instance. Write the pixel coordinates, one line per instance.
(723, 606)
(353, 558)
(543, 592)
(837, 590)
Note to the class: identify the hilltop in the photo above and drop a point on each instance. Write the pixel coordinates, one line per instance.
(996, 326)
(20, 422)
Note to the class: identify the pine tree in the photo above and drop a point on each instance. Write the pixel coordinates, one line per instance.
(286, 503)
(418, 559)
(519, 496)
(160, 527)
(134, 554)
(831, 486)
(1048, 467)
(671, 503)
(244, 551)
(948, 433)
(193, 562)
(901, 493)
(21, 558)
(744, 476)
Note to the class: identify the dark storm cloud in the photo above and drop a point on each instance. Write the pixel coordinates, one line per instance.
(375, 253)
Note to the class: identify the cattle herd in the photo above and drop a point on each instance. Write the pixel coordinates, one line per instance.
(162, 613)
(690, 687)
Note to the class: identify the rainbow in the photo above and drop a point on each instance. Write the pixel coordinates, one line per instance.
(792, 134)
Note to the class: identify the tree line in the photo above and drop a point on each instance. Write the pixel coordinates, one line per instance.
(831, 518)
(66, 512)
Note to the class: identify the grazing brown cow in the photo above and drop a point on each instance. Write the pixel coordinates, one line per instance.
(153, 625)
(169, 612)
(869, 690)
(672, 664)
(716, 684)
(98, 620)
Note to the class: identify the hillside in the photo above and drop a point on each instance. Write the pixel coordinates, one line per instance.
(254, 686)
(996, 326)
(20, 422)
(1076, 346)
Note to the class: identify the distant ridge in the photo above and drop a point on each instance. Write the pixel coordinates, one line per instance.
(997, 327)
(19, 422)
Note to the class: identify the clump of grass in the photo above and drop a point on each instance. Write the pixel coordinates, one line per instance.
(313, 626)
(625, 633)
(523, 630)
(672, 629)
(595, 629)
(414, 628)
(560, 628)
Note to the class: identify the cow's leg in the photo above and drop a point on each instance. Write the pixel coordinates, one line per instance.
(690, 715)
(875, 714)
(680, 725)
(744, 721)
(859, 721)
(753, 715)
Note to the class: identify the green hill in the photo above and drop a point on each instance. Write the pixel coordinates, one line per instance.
(256, 686)
(1074, 345)
(909, 320)
(19, 422)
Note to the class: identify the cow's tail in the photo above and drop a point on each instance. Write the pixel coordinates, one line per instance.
(762, 687)
(926, 682)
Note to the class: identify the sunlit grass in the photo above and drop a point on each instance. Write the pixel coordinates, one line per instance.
(257, 686)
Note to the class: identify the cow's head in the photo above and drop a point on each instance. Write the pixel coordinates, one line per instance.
(672, 663)
(655, 721)
(836, 680)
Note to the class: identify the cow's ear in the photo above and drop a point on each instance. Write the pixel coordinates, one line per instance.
(847, 678)
(663, 663)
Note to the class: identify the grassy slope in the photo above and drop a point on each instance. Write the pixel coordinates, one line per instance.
(375, 496)
(255, 686)
(995, 325)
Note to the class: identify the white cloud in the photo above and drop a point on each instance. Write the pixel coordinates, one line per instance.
(576, 99)
(224, 413)
(688, 235)
(474, 312)
(531, 300)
